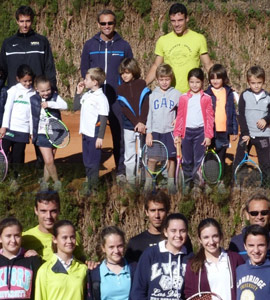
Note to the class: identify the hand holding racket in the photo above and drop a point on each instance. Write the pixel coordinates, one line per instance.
(205, 296)
(3, 163)
(155, 159)
(247, 173)
(211, 167)
(179, 173)
(56, 131)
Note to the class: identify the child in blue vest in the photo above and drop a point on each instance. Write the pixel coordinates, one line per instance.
(133, 96)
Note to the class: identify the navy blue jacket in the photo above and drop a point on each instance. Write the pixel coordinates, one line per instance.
(36, 108)
(93, 282)
(108, 56)
(3, 99)
(232, 124)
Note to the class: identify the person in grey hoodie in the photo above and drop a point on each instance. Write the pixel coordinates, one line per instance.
(160, 120)
(254, 120)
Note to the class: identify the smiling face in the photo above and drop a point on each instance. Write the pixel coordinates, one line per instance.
(114, 248)
(195, 84)
(24, 23)
(106, 25)
(127, 76)
(258, 212)
(179, 23)
(47, 213)
(11, 239)
(25, 81)
(176, 235)
(65, 240)
(156, 214)
(217, 83)
(256, 247)
(210, 240)
(44, 90)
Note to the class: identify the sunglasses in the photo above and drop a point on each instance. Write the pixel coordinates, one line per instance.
(106, 23)
(255, 213)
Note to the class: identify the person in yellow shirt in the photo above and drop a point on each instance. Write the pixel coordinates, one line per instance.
(183, 49)
(39, 238)
(62, 276)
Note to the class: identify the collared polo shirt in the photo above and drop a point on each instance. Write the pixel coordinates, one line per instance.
(114, 286)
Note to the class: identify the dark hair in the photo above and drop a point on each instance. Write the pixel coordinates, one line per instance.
(219, 72)
(257, 197)
(106, 12)
(196, 72)
(25, 11)
(256, 230)
(8, 222)
(198, 260)
(178, 8)
(108, 231)
(55, 230)
(47, 196)
(24, 70)
(257, 72)
(131, 65)
(175, 216)
(159, 197)
(41, 79)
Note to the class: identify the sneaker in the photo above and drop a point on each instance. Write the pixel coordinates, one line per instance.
(196, 192)
(186, 190)
(14, 186)
(121, 179)
(57, 186)
(44, 186)
(171, 186)
(222, 188)
(207, 189)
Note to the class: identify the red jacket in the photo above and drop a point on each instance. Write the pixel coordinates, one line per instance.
(207, 112)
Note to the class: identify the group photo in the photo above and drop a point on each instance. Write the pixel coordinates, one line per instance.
(135, 150)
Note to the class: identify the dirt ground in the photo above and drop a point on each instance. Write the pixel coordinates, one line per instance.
(73, 152)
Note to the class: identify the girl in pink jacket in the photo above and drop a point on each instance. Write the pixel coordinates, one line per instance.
(194, 128)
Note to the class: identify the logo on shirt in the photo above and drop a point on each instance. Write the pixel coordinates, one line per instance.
(34, 43)
(14, 45)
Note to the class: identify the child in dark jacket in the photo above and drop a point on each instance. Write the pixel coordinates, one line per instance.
(134, 99)
(225, 114)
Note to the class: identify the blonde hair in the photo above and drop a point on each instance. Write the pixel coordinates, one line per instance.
(164, 70)
(97, 74)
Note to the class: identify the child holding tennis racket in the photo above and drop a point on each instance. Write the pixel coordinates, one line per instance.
(45, 98)
(254, 120)
(212, 269)
(160, 120)
(225, 114)
(133, 96)
(194, 128)
(94, 114)
(16, 120)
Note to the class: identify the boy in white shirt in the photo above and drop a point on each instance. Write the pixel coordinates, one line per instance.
(94, 114)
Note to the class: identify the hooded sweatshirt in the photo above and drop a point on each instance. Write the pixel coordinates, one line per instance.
(160, 274)
(162, 110)
(17, 276)
(252, 281)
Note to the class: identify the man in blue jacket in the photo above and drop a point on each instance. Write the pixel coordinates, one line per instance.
(106, 50)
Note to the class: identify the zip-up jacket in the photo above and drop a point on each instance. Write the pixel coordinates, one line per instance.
(54, 104)
(251, 111)
(32, 49)
(18, 276)
(162, 110)
(160, 274)
(93, 282)
(3, 99)
(17, 109)
(198, 282)
(207, 113)
(232, 124)
(134, 99)
(108, 56)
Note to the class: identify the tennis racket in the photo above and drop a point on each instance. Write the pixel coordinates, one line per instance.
(211, 167)
(247, 173)
(56, 131)
(3, 163)
(179, 173)
(205, 296)
(140, 173)
(155, 159)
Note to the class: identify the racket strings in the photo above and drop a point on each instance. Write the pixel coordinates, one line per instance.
(248, 175)
(211, 168)
(155, 157)
(205, 296)
(3, 166)
(57, 132)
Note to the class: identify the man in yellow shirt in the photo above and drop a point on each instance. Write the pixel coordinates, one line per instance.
(39, 238)
(183, 49)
